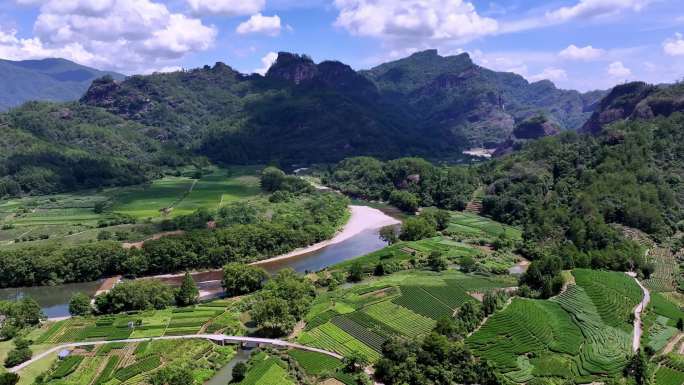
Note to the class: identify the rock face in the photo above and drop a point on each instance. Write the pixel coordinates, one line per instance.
(293, 67)
(534, 128)
(636, 100)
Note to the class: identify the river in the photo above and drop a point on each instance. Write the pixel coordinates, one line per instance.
(54, 300)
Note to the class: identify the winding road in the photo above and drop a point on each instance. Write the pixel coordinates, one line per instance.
(212, 337)
(637, 313)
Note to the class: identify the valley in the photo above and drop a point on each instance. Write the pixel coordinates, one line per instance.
(319, 225)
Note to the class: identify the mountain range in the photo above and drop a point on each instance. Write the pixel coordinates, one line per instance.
(299, 112)
(47, 79)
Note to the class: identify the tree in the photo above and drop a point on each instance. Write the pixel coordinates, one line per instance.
(436, 261)
(404, 200)
(187, 294)
(239, 279)
(173, 375)
(440, 218)
(21, 353)
(492, 301)
(271, 179)
(79, 305)
(272, 316)
(355, 272)
(416, 228)
(389, 234)
(353, 362)
(143, 294)
(467, 264)
(9, 378)
(638, 368)
(239, 372)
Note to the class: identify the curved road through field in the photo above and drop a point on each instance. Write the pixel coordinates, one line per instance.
(637, 313)
(211, 337)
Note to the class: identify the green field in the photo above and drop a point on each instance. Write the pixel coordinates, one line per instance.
(472, 225)
(183, 195)
(266, 370)
(71, 218)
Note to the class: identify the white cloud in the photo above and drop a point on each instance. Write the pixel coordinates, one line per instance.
(268, 25)
(266, 62)
(124, 35)
(587, 53)
(589, 9)
(414, 20)
(549, 73)
(584, 9)
(618, 70)
(227, 7)
(674, 46)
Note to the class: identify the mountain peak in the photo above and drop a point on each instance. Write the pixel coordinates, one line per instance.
(293, 67)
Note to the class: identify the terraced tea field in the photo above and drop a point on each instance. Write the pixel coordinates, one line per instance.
(404, 305)
(579, 335)
(152, 323)
(664, 278)
(135, 363)
(472, 225)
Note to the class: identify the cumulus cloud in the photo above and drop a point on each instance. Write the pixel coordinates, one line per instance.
(227, 7)
(268, 25)
(266, 63)
(587, 53)
(618, 70)
(414, 20)
(124, 35)
(550, 73)
(674, 46)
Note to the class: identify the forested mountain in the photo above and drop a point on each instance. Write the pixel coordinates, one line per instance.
(301, 111)
(472, 102)
(48, 147)
(46, 80)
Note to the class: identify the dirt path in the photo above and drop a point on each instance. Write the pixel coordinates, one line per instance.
(212, 337)
(673, 342)
(637, 313)
(154, 237)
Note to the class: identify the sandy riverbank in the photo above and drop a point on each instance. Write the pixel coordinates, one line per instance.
(362, 218)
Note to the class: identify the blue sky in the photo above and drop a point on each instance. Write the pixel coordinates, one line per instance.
(578, 44)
